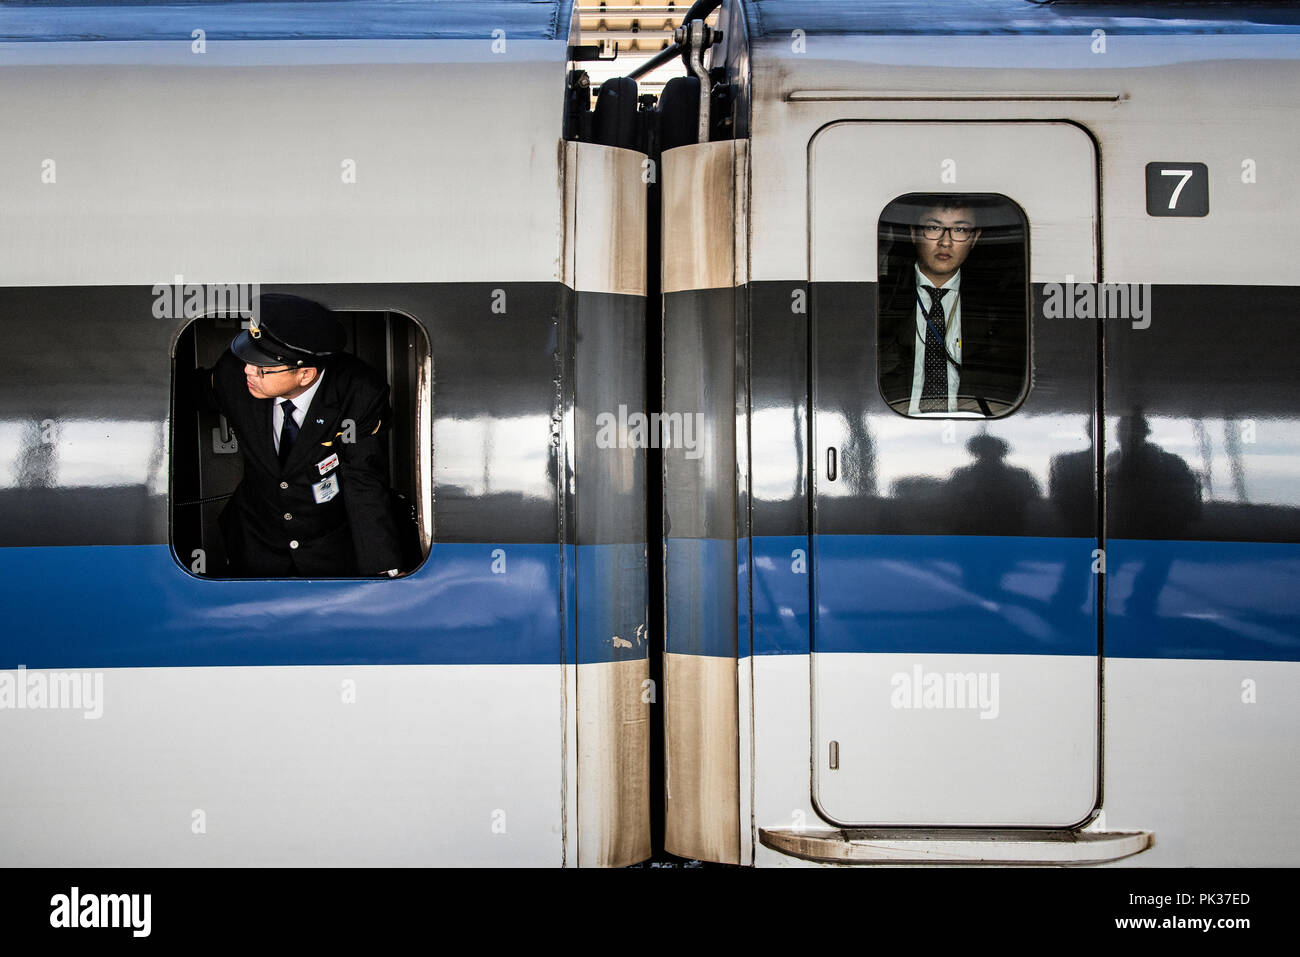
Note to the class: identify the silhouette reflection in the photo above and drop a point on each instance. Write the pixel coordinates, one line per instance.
(1151, 494)
(987, 487)
(990, 485)
(1072, 488)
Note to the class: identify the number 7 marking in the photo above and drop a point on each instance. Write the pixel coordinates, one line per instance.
(1186, 174)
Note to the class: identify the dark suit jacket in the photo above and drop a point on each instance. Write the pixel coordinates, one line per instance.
(993, 335)
(353, 533)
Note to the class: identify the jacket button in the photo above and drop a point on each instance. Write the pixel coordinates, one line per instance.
(284, 485)
(293, 544)
(287, 516)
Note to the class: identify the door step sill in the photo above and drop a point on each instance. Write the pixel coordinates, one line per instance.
(1000, 846)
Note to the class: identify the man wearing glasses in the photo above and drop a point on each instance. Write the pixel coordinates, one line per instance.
(941, 345)
(312, 424)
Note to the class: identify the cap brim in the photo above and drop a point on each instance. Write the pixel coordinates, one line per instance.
(245, 347)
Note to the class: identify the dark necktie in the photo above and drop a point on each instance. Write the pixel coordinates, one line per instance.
(934, 391)
(288, 431)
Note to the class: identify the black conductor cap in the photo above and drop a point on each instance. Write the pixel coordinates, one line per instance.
(289, 330)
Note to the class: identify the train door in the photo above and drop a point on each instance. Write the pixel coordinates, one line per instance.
(955, 636)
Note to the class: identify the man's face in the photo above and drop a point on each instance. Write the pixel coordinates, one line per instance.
(277, 381)
(940, 257)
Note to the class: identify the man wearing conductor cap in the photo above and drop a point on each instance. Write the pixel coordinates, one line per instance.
(312, 424)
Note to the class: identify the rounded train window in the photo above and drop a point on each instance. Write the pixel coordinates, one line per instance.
(953, 305)
(299, 443)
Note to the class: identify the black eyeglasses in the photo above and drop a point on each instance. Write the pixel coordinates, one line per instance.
(960, 234)
(263, 372)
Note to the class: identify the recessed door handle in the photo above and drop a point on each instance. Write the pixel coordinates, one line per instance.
(830, 464)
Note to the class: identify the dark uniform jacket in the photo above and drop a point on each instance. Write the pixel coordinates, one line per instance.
(993, 337)
(327, 512)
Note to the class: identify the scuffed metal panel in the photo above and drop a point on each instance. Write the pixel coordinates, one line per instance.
(610, 199)
(605, 262)
(703, 774)
(699, 184)
(613, 763)
(701, 488)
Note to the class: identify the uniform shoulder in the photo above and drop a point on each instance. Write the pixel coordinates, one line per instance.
(348, 368)
(228, 377)
(356, 381)
(228, 364)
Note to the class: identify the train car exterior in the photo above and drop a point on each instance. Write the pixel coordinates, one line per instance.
(1057, 624)
(402, 164)
(1063, 632)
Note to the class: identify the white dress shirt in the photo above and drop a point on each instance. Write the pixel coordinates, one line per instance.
(952, 336)
(300, 406)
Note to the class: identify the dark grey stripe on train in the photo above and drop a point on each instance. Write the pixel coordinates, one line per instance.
(1192, 363)
(97, 357)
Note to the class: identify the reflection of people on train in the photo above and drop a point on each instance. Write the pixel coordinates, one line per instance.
(989, 488)
(1072, 488)
(312, 424)
(943, 347)
(1151, 494)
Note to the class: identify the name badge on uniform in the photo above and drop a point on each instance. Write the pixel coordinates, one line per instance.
(325, 489)
(324, 465)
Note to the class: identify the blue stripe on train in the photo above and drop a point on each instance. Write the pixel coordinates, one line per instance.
(1165, 599)
(700, 605)
(1228, 600)
(132, 606)
(955, 595)
(611, 598)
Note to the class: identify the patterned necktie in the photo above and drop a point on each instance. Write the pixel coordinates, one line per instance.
(288, 431)
(934, 391)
